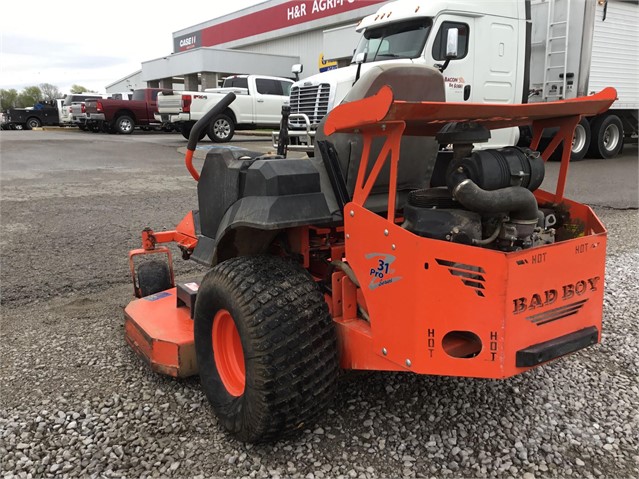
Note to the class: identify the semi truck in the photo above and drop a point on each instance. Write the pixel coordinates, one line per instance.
(518, 51)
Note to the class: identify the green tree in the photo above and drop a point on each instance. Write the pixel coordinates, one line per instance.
(29, 96)
(78, 89)
(8, 98)
(50, 92)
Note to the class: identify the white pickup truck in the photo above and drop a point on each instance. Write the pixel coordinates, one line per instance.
(258, 104)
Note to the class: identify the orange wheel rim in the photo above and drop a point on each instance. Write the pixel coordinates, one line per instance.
(228, 353)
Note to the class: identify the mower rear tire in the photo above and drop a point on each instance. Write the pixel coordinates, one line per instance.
(153, 276)
(266, 347)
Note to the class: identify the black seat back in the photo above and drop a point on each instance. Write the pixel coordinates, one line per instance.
(417, 153)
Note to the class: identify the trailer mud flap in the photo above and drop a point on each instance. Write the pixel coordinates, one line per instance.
(542, 352)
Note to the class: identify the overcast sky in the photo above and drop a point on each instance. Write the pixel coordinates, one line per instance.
(92, 43)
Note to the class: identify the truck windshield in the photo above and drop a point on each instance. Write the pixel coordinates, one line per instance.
(396, 40)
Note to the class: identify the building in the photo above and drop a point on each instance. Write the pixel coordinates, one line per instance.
(268, 39)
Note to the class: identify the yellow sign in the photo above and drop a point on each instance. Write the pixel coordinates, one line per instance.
(325, 65)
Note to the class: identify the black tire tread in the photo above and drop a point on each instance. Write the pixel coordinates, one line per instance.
(293, 346)
(153, 276)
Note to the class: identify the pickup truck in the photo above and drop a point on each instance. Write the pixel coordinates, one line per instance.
(79, 112)
(73, 104)
(122, 116)
(29, 118)
(258, 104)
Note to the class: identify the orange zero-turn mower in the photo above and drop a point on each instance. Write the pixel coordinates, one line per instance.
(369, 256)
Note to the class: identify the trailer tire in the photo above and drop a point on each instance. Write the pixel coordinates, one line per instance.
(607, 136)
(186, 128)
(32, 123)
(221, 129)
(580, 140)
(266, 347)
(153, 276)
(124, 124)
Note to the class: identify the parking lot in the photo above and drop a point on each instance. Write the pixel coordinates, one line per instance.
(76, 401)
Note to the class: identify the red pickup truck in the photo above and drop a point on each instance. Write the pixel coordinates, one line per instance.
(122, 116)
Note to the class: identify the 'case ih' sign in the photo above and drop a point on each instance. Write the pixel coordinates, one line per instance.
(270, 19)
(187, 42)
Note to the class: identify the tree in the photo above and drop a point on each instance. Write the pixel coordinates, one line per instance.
(29, 96)
(8, 98)
(79, 89)
(50, 92)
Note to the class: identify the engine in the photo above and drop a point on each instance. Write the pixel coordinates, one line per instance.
(486, 200)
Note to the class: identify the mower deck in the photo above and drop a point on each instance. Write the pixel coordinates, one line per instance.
(161, 332)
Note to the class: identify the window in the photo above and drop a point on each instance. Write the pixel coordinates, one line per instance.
(236, 82)
(439, 45)
(267, 86)
(74, 99)
(397, 40)
(286, 87)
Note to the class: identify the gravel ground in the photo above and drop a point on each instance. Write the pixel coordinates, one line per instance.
(75, 401)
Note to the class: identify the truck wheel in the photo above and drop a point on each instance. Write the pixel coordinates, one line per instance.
(82, 127)
(153, 276)
(186, 128)
(33, 123)
(580, 140)
(607, 136)
(124, 124)
(222, 129)
(266, 347)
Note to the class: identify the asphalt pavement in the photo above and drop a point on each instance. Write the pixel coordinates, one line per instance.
(75, 401)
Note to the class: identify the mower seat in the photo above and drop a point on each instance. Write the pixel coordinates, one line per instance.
(417, 153)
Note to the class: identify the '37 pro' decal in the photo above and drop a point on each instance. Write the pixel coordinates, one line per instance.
(381, 272)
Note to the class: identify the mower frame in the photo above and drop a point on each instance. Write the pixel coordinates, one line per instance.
(407, 303)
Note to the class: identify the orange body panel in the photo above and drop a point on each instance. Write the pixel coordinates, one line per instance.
(425, 297)
(162, 333)
(419, 289)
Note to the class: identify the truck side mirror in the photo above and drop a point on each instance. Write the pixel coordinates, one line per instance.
(452, 40)
(451, 43)
(296, 70)
(360, 58)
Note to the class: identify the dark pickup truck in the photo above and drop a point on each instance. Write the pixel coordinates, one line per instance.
(122, 116)
(29, 118)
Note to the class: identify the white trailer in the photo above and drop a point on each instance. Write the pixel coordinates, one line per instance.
(580, 47)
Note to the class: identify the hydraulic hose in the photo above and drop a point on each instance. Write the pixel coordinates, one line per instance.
(200, 125)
